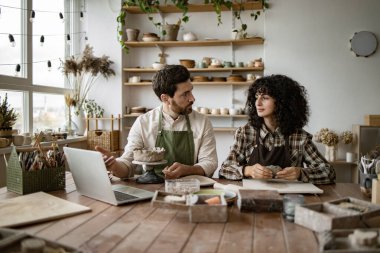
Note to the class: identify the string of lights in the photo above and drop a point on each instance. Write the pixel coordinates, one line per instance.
(33, 14)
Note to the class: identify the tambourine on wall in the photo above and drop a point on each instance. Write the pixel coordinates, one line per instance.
(363, 43)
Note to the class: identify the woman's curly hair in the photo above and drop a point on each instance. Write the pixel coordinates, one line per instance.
(292, 108)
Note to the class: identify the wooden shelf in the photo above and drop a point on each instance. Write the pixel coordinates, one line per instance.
(151, 70)
(255, 5)
(194, 83)
(198, 43)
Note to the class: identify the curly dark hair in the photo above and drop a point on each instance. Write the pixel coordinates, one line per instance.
(292, 108)
(165, 80)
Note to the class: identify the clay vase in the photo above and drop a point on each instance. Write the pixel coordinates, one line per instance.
(170, 32)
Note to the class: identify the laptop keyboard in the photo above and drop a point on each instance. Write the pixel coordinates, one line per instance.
(121, 196)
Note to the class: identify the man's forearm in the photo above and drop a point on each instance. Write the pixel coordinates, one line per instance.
(119, 169)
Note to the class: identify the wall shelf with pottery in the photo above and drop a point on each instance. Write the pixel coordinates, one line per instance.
(194, 83)
(197, 43)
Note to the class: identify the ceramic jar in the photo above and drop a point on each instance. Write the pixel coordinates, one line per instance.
(18, 140)
(189, 36)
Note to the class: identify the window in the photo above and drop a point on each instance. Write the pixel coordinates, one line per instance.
(48, 111)
(37, 94)
(10, 29)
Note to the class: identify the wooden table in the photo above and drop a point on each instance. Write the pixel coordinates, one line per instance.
(141, 228)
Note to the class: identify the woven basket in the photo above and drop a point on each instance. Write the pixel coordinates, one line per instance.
(25, 182)
(103, 138)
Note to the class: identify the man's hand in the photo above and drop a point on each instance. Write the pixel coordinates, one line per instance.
(176, 170)
(108, 158)
(289, 173)
(257, 171)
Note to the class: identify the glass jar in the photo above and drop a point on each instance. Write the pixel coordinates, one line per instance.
(290, 201)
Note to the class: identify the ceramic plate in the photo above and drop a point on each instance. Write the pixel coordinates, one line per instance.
(204, 181)
(230, 196)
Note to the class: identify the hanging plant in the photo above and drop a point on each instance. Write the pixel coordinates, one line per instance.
(254, 14)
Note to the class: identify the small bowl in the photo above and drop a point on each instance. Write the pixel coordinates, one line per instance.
(187, 63)
(157, 65)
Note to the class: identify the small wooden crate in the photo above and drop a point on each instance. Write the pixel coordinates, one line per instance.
(25, 182)
(10, 241)
(108, 139)
(331, 215)
(372, 120)
(259, 201)
(198, 212)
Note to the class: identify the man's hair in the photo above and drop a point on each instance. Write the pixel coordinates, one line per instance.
(291, 105)
(165, 80)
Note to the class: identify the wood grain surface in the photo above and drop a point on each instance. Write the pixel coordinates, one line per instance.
(139, 227)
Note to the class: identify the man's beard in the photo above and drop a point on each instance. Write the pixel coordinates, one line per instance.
(183, 111)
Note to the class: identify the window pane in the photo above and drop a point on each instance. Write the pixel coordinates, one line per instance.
(10, 23)
(47, 23)
(48, 111)
(15, 100)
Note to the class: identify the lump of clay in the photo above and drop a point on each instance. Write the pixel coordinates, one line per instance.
(363, 239)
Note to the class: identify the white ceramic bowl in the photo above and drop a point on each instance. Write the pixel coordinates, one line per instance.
(157, 65)
(148, 39)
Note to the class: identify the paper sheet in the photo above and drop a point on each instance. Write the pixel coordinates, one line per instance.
(281, 187)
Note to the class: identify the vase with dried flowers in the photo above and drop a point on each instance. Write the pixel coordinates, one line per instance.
(81, 74)
(347, 137)
(330, 139)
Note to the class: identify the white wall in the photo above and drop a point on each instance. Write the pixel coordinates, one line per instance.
(305, 39)
(309, 41)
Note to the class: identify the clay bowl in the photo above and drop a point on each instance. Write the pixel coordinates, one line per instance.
(200, 79)
(218, 79)
(187, 63)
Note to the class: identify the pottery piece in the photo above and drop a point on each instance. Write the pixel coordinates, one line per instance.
(189, 36)
(132, 34)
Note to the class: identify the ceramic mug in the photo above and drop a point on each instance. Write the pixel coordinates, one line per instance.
(224, 111)
(204, 110)
(4, 142)
(27, 140)
(234, 111)
(18, 140)
(215, 111)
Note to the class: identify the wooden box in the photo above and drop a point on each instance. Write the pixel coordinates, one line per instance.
(103, 138)
(11, 239)
(259, 201)
(195, 205)
(339, 241)
(372, 120)
(343, 213)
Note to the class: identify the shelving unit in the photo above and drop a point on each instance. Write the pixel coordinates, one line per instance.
(223, 123)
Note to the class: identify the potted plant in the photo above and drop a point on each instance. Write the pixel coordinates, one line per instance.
(8, 118)
(148, 7)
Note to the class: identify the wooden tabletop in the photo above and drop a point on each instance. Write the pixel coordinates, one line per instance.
(139, 227)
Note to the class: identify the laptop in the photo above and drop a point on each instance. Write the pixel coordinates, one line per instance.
(91, 179)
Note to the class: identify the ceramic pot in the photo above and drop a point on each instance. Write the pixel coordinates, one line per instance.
(170, 32)
(80, 122)
(132, 34)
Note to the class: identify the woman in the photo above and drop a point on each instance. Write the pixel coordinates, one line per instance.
(273, 144)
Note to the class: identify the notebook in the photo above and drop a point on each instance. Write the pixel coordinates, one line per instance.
(91, 179)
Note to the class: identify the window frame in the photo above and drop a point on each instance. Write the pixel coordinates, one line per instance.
(25, 82)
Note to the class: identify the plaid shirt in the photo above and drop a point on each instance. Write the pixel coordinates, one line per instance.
(303, 153)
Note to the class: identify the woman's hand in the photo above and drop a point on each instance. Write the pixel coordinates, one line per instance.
(257, 171)
(289, 173)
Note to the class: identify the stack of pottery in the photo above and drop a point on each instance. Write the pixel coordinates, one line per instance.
(200, 79)
(235, 78)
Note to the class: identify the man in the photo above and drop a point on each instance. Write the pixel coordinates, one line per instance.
(186, 135)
